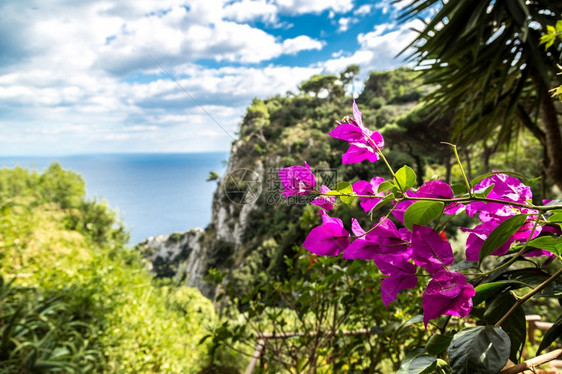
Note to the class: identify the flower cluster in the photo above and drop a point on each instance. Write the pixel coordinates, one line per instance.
(402, 254)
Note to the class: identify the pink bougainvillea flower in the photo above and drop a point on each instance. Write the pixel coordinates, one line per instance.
(297, 180)
(368, 188)
(326, 202)
(358, 152)
(492, 214)
(384, 239)
(356, 228)
(439, 190)
(433, 189)
(401, 272)
(328, 239)
(478, 235)
(447, 293)
(429, 249)
(364, 144)
(505, 188)
(387, 247)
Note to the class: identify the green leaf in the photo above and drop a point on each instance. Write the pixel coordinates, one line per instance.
(487, 290)
(348, 200)
(418, 362)
(530, 182)
(486, 191)
(501, 234)
(532, 277)
(385, 186)
(332, 193)
(422, 212)
(463, 265)
(405, 178)
(556, 217)
(459, 188)
(515, 325)
(438, 343)
(548, 243)
(383, 202)
(345, 188)
(553, 333)
(479, 350)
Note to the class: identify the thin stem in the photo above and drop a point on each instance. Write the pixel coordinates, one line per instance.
(530, 364)
(528, 295)
(542, 208)
(469, 188)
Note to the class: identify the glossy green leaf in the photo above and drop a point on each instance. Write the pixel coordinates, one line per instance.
(422, 212)
(485, 192)
(463, 265)
(385, 186)
(556, 217)
(438, 343)
(553, 333)
(459, 188)
(548, 243)
(332, 193)
(488, 290)
(501, 234)
(405, 178)
(479, 350)
(515, 325)
(418, 362)
(532, 277)
(345, 188)
(383, 202)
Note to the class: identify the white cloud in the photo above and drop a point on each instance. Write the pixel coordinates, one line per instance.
(249, 10)
(363, 9)
(81, 78)
(313, 6)
(379, 48)
(177, 36)
(301, 43)
(345, 22)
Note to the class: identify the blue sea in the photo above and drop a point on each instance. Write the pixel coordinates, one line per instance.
(154, 193)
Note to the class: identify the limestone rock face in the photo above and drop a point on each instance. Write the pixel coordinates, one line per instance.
(190, 255)
(166, 253)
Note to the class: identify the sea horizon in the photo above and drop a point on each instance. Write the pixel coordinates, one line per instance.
(155, 193)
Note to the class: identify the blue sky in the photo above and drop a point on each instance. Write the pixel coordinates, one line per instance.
(88, 76)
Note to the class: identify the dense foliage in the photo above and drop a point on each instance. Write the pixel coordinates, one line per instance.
(520, 242)
(73, 299)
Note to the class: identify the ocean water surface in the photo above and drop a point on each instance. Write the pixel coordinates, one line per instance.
(154, 193)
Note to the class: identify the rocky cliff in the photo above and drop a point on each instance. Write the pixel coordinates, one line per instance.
(190, 255)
